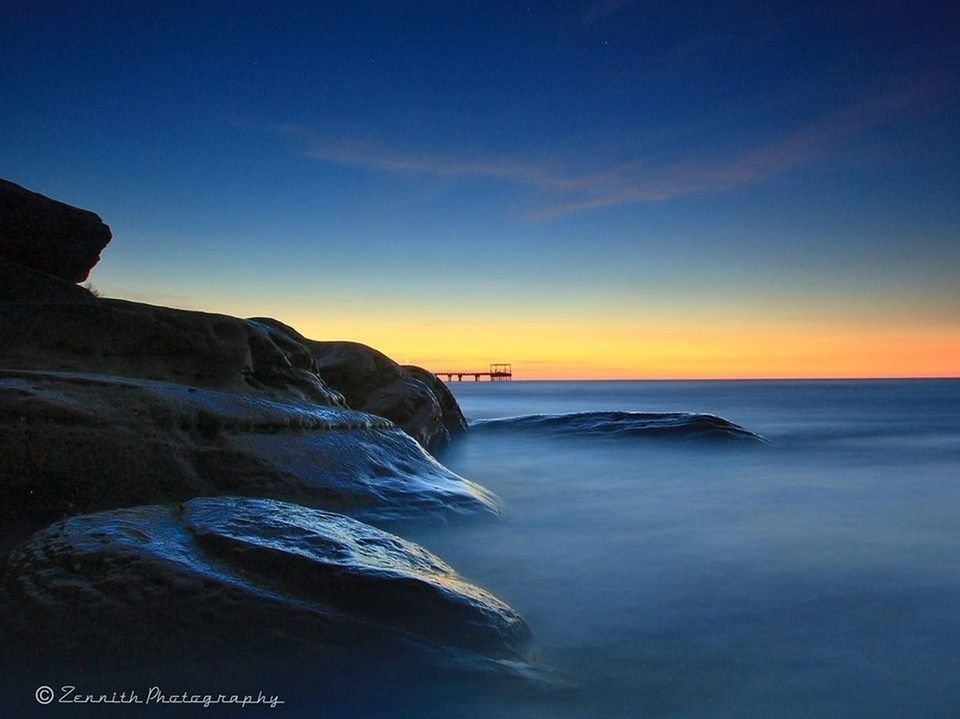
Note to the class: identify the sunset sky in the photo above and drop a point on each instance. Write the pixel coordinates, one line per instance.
(601, 189)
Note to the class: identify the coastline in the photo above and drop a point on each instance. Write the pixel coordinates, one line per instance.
(120, 417)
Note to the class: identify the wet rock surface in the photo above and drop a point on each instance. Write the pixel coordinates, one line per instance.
(451, 416)
(370, 381)
(81, 442)
(209, 445)
(410, 396)
(147, 580)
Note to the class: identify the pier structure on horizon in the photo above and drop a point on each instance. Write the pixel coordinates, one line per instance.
(501, 372)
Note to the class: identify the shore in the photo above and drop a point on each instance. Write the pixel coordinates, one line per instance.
(171, 477)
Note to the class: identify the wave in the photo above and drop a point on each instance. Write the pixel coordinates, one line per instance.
(677, 425)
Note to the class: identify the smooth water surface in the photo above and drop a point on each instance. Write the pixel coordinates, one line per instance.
(816, 575)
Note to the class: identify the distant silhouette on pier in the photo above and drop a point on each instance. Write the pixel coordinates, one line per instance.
(496, 373)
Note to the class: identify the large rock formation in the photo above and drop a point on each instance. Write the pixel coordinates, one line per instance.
(132, 408)
(147, 582)
(83, 442)
(49, 323)
(48, 235)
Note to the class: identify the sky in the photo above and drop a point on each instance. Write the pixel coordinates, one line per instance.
(599, 189)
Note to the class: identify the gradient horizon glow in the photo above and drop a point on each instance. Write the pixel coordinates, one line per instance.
(605, 189)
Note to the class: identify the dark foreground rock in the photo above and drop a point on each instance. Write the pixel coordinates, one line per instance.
(19, 283)
(231, 574)
(132, 408)
(49, 236)
(74, 442)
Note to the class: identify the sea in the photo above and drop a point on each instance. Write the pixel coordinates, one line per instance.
(809, 569)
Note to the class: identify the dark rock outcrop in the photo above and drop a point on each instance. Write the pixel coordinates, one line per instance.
(451, 416)
(410, 396)
(49, 236)
(45, 245)
(146, 582)
(132, 408)
(22, 284)
(82, 442)
(262, 357)
(129, 339)
(412, 405)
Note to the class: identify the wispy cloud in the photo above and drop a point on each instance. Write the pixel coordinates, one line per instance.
(370, 155)
(635, 179)
(600, 10)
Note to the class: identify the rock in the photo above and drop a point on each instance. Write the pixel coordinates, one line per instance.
(43, 241)
(357, 370)
(261, 357)
(412, 406)
(688, 426)
(370, 381)
(22, 284)
(48, 235)
(72, 442)
(146, 582)
(129, 339)
(451, 416)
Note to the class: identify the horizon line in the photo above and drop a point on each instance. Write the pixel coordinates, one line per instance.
(722, 379)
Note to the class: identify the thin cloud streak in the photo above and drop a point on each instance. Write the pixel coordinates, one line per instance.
(601, 10)
(632, 181)
(368, 155)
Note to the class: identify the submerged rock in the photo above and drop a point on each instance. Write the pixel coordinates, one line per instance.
(151, 580)
(49, 236)
(82, 442)
(638, 425)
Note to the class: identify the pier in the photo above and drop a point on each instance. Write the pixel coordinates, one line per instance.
(496, 372)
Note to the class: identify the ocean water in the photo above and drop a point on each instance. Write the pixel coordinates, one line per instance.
(816, 574)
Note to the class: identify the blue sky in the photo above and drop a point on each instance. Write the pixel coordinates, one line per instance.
(343, 165)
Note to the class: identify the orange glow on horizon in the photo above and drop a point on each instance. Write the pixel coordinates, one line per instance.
(542, 351)
(705, 342)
